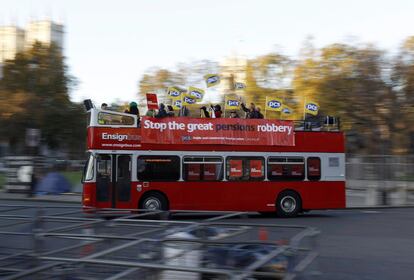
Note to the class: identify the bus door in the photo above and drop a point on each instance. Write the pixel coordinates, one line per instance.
(113, 181)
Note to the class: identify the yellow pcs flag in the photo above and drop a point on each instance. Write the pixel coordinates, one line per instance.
(311, 108)
(286, 111)
(273, 104)
(176, 103)
(231, 103)
(197, 93)
(174, 92)
(212, 80)
(188, 99)
(239, 85)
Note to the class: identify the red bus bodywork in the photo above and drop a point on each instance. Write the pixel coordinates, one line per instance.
(328, 193)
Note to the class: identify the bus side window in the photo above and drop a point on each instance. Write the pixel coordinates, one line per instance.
(202, 168)
(158, 168)
(245, 168)
(314, 168)
(286, 169)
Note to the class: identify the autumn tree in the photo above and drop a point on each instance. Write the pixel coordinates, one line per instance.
(34, 93)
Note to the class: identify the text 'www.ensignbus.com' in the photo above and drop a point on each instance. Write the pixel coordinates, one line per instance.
(121, 145)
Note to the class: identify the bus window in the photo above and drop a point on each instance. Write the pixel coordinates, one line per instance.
(314, 168)
(105, 118)
(158, 168)
(245, 168)
(286, 169)
(202, 168)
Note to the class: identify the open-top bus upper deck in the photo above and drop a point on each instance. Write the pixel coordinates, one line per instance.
(109, 130)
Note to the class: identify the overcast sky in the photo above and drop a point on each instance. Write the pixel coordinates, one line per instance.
(110, 44)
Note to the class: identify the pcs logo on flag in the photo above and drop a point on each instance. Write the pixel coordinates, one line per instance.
(312, 107)
(174, 93)
(286, 111)
(196, 94)
(212, 79)
(274, 104)
(232, 102)
(189, 100)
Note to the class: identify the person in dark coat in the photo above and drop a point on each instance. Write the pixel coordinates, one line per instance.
(170, 111)
(133, 110)
(259, 114)
(162, 113)
(251, 112)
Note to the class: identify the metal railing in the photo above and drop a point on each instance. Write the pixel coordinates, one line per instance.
(380, 167)
(123, 244)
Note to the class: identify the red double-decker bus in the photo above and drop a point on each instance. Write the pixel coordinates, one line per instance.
(212, 164)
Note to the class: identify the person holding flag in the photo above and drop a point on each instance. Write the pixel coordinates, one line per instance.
(311, 108)
(251, 112)
(215, 111)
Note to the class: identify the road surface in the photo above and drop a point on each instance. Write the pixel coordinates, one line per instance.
(353, 244)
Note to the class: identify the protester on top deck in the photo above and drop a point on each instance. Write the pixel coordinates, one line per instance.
(217, 111)
(184, 112)
(133, 110)
(104, 106)
(170, 111)
(234, 115)
(162, 113)
(259, 114)
(205, 112)
(251, 112)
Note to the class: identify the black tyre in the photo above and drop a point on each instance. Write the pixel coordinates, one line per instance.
(154, 201)
(288, 204)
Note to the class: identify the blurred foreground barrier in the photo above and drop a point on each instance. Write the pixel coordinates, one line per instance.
(62, 242)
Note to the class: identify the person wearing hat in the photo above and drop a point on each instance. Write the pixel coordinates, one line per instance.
(133, 110)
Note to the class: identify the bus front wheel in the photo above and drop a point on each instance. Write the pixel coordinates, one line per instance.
(154, 201)
(288, 204)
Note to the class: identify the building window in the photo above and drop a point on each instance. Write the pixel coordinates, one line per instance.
(245, 168)
(286, 169)
(314, 168)
(202, 168)
(158, 168)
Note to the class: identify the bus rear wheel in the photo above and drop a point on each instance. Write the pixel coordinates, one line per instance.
(288, 204)
(154, 201)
